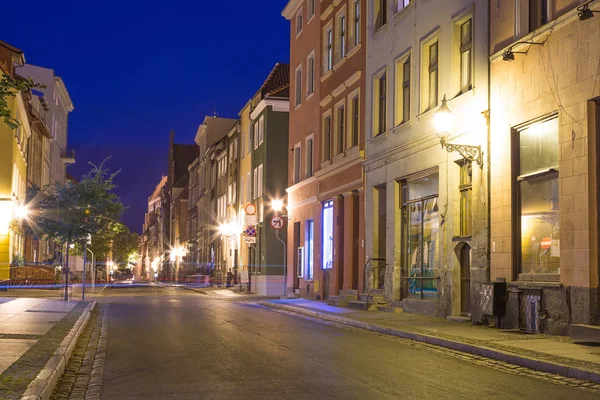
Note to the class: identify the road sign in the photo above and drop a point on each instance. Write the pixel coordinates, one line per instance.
(277, 222)
(250, 220)
(251, 231)
(250, 209)
(250, 239)
(546, 243)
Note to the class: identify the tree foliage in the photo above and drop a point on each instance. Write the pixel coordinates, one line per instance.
(124, 242)
(69, 213)
(9, 87)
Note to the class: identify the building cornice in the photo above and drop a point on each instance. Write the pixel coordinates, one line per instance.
(544, 31)
(327, 12)
(291, 8)
(341, 189)
(278, 105)
(305, 202)
(325, 100)
(352, 158)
(301, 184)
(64, 93)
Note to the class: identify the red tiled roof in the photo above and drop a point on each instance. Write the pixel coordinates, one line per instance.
(277, 83)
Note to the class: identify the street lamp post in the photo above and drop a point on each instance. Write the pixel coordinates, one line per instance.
(93, 269)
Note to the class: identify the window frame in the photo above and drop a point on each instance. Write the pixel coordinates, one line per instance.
(354, 120)
(380, 103)
(299, 17)
(261, 129)
(309, 169)
(340, 128)
(380, 13)
(403, 88)
(517, 179)
(298, 86)
(463, 48)
(310, 74)
(310, 10)
(342, 39)
(309, 249)
(401, 5)
(329, 48)
(327, 129)
(297, 163)
(356, 5)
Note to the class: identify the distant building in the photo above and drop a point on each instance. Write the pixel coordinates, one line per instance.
(150, 254)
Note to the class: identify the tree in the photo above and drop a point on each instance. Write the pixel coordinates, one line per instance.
(69, 213)
(9, 87)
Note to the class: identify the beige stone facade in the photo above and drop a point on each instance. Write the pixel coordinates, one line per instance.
(544, 206)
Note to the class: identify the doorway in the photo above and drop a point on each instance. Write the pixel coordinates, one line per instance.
(296, 272)
(465, 280)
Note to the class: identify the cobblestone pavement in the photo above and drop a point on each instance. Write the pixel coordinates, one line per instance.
(82, 378)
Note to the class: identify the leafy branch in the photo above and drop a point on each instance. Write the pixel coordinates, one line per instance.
(9, 87)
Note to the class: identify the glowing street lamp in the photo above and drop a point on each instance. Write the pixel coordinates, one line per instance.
(20, 211)
(444, 124)
(277, 205)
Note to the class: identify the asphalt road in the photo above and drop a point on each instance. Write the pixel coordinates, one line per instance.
(174, 344)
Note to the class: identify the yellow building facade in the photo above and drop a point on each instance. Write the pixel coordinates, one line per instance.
(13, 167)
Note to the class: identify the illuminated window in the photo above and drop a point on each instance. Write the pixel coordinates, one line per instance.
(466, 58)
(381, 8)
(536, 184)
(328, 235)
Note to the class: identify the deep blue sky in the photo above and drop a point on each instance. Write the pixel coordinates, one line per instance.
(135, 69)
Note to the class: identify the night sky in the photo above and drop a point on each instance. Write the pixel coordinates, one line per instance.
(135, 69)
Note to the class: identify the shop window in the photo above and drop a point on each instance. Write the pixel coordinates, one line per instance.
(328, 235)
(420, 225)
(536, 186)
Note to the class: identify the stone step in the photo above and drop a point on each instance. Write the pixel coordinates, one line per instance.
(362, 305)
(585, 333)
(390, 309)
(337, 301)
(458, 318)
(348, 296)
(378, 298)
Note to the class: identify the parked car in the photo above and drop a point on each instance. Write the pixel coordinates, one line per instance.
(122, 277)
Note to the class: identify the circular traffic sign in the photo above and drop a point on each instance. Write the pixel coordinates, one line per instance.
(546, 243)
(277, 222)
(250, 209)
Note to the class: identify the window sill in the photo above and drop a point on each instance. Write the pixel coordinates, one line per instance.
(379, 29)
(310, 19)
(540, 278)
(340, 62)
(354, 50)
(298, 34)
(308, 96)
(326, 75)
(402, 12)
(379, 136)
(461, 238)
(402, 125)
(460, 94)
(427, 111)
(297, 106)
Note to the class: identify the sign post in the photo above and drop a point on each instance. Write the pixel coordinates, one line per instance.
(277, 224)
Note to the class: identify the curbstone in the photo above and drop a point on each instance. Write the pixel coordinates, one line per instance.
(509, 358)
(42, 387)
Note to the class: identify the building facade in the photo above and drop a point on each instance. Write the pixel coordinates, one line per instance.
(245, 193)
(151, 232)
(270, 124)
(303, 206)
(13, 166)
(426, 204)
(544, 157)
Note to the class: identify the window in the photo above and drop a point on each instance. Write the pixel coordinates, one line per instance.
(310, 76)
(420, 225)
(433, 75)
(341, 129)
(401, 5)
(233, 192)
(342, 37)
(311, 9)
(466, 193)
(328, 235)
(379, 101)
(403, 68)
(297, 163)
(261, 129)
(310, 248)
(329, 49)
(299, 22)
(255, 134)
(536, 185)
(229, 194)
(255, 183)
(309, 157)
(260, 181)
(327, 138)
(354, 120)
(298, 89)
(242, 145)
(538, 14)
(466, 66)
(381, 7)
(356, 22)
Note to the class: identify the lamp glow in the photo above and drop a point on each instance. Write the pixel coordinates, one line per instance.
(20, 211)
(277, 205)
(444, 119)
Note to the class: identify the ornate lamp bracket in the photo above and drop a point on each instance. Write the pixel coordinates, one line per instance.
(471, 153)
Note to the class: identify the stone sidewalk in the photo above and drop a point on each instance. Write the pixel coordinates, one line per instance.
(545, 353)
(31, 331)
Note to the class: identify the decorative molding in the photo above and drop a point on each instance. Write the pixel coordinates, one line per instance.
(325, 100)
(402, 151)
(326, 75)
(301, 184)
(339, 90)
(277, 105)
(337, 167)
(354, 50)
(325, 14)
(341, 189)
(336, 2)
(291, 9)
(305, 202)
(353, 79)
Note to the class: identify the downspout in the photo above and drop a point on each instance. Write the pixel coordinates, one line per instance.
(489, 156)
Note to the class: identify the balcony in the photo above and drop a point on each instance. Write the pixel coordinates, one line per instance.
(68, 156)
